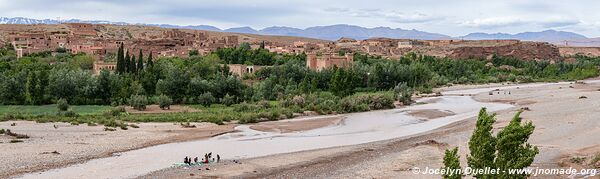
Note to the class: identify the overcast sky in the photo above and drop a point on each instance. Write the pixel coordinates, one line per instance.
(451, 17)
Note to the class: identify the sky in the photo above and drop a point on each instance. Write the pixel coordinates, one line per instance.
(450, 17)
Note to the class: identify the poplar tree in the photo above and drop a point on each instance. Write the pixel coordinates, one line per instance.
(451, 164)
(140, 62)
(132, 64)
(483, 144)
(126, 63)
(120, 60)
(513, 151)
(150, 63)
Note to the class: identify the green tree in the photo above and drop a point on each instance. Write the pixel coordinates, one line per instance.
(138, 102)
(304, 86)
(140, 62)
(127, 63)
(121, 60)
(452, 164)
(194, 52)
(133, 65)
(164, 102)
(403, 93)
(62, 104)
(513, 151)
(483, 144)
(104, 86)
(150, 63)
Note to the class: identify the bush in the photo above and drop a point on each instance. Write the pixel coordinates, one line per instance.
(403, 93)
(62, 104)
(138, 102)
(366, 102)
(206, 99)
(228, 100)
(116, 111)
(164, 102)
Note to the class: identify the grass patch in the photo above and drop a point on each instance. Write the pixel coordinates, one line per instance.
(27, 110)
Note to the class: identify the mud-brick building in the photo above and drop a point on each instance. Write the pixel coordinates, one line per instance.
(327, 60)
(241, 70)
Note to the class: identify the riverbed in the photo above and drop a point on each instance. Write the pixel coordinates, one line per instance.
(356, 128)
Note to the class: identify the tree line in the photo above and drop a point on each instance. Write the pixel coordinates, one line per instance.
(206, 80)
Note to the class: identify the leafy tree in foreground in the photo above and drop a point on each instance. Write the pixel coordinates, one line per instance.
(451, 164)
(508, 150)
(513, 151)
(482, 144)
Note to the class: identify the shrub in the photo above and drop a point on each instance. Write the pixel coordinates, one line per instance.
(62, 104)
(206, 99)
(228, 100)
(164, 102)
(403, 93)
(244, 107)
(264, 104)
(116, 111)
(138, 102)
(2, 131)
(109, 129)
(133, 126)
(298, 101)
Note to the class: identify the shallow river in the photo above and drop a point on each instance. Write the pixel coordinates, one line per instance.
(356, 128)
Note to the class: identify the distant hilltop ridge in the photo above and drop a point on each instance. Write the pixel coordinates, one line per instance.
(335, 32)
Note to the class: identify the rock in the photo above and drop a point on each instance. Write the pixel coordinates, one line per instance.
(582, 97)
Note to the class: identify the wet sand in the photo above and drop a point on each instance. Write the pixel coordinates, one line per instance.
(296, 125)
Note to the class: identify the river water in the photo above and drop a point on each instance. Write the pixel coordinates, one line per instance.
(355, 128)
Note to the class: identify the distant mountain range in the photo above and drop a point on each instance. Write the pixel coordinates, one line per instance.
(548, 36)
(334, 32)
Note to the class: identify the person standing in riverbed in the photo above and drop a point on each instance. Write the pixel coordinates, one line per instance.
(218, 158)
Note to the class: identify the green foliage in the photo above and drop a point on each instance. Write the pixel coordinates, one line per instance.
(513, 151)
(138, 102)
(164, 102)
(206, 99)
(193, 53)
(62, 104)
(403, 93)
(507, 150)
(451, 163)
(483, 144)
(228, 100)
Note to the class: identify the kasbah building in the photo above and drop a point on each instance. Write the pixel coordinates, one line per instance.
(100, 41)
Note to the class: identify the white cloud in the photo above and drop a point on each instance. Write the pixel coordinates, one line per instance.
(392, 16)
(513, 22)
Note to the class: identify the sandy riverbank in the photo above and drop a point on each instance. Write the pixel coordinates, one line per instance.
(566, 126)
(53, 145)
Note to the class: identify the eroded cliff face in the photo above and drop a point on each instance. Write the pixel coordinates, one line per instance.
(521, 50)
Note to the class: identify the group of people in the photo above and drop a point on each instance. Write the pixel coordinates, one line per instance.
(207, 159)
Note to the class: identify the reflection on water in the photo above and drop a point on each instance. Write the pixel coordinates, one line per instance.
(354, 129)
